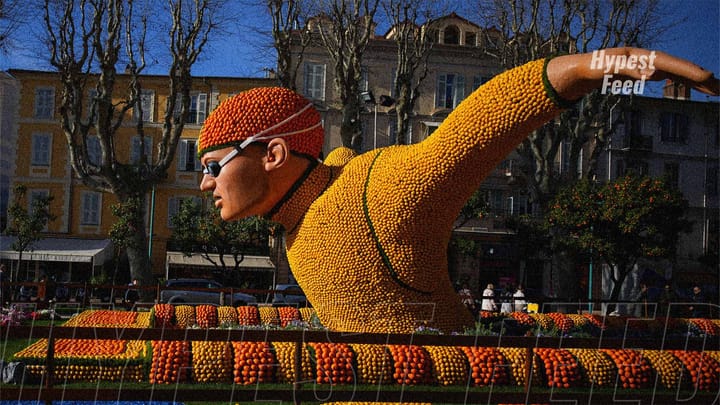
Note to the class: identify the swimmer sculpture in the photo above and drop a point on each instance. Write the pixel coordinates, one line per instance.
(367, 235)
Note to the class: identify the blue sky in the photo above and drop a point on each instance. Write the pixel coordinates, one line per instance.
(696, 38)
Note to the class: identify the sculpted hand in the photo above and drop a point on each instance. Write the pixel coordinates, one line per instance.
(573, 76)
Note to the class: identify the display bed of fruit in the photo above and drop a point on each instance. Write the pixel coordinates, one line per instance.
(248, 348)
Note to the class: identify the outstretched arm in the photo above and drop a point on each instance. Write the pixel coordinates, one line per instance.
(573, 76)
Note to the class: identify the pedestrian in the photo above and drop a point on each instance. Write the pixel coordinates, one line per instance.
(666, 302)
(699, 307)
(641, 298)
(488, 299)
(467, 298)
(507, 297)
(396, 206)
(131, 295)
(519, 303)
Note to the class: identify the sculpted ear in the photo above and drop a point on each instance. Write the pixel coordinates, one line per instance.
(277, 154)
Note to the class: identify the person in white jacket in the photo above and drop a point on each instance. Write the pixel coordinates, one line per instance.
(488, 301)
(519, 296)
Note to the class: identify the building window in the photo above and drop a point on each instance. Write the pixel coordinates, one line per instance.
(187, 156)
(33, 197)
(41, 149)
(197, 110)
(637, 167)
(673, 127)
(711, 181)
(479, 81)
(93, 150)
(315, 81)
(451, 35)
(671, 171)
(44, 102)
(174, 204)
(146, 104)
(470, 39)
(138, 147)
(450, 90)
(633, 123)
(90, 208)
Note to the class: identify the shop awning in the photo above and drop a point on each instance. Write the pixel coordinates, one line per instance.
(249, 262)
(95, 251)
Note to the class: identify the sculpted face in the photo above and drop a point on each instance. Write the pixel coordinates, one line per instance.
(241, 187)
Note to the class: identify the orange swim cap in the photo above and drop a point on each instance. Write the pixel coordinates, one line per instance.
(260, 114)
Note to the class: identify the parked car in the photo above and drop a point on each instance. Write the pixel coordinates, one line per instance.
(180, 291)
(290, 294)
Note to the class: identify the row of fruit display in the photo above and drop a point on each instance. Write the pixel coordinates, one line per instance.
(209, 316)
(246, 362)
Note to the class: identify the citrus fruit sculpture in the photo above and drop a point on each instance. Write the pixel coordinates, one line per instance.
(367, 235)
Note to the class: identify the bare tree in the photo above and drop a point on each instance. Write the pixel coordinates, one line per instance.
(526, 30)
(11, 18)
(88, 41)
(531, 29)
(413, 49)
(288, 32)
(344, 29)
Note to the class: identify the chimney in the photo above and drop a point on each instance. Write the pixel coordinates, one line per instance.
(675, 91)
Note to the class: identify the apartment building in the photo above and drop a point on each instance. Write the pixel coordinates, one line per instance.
(677, 138)
(35, 153)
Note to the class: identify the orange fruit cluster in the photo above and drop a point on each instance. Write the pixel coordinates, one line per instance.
(288, 315)
(634, 370)
(164, 315)
(248, 315)
(257, 110)
(412, 364)
(488, 365)
(595, 320)
(170, 362)
(522, 318)
(704, 370)
(707, 326)
(333, 362)
(561, 321)
(104, 318)
(206, 316)
(561, 367)
(253, 363)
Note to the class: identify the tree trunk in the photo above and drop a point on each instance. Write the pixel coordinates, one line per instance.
(140, 264)
(617, 286)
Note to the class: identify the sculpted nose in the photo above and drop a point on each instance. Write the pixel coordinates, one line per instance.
(207, 183)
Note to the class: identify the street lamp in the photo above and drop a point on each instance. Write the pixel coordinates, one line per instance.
(369, 98)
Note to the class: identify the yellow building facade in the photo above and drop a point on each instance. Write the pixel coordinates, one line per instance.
(42, 159)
